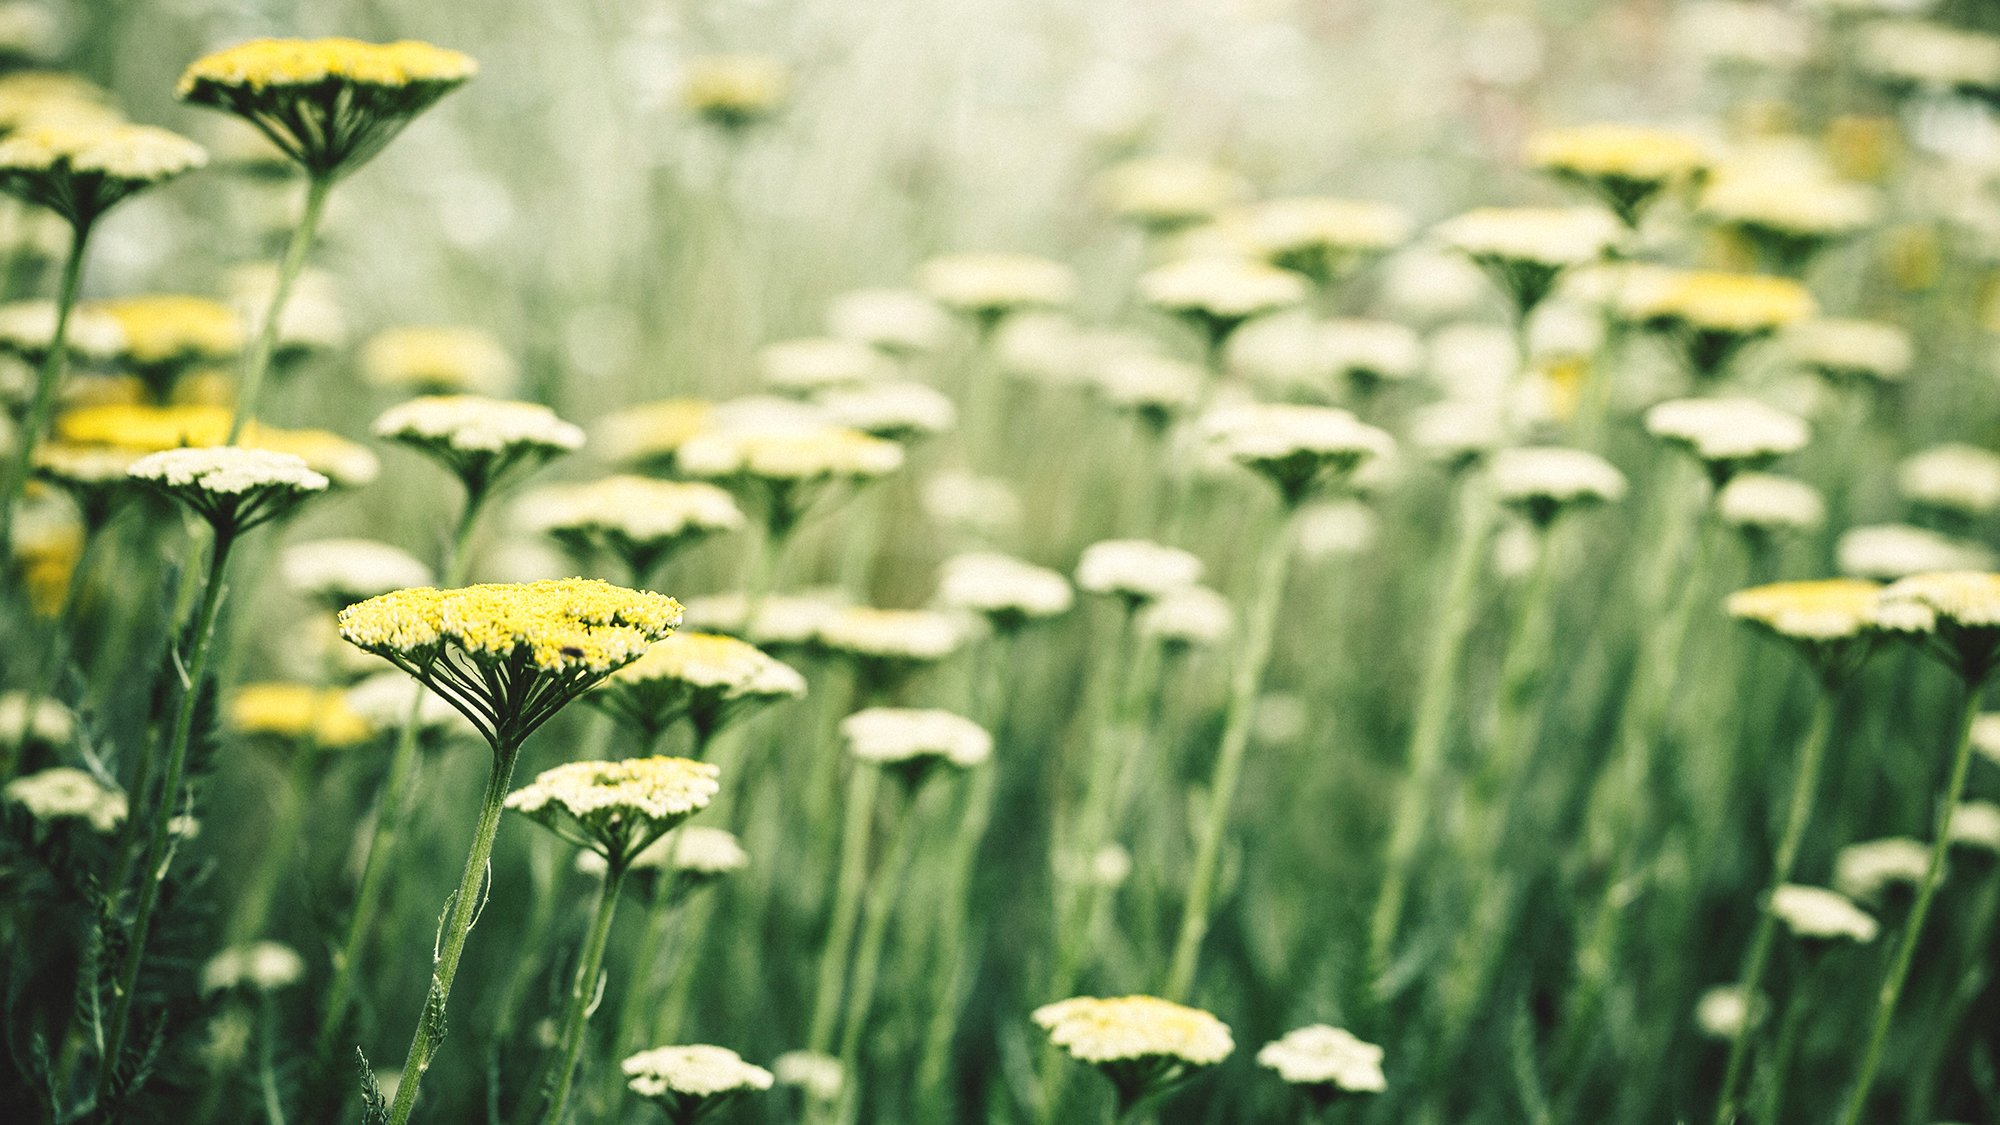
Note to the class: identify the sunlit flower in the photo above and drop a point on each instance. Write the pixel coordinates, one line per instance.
(1326, 1062)
(82, 170)
(989, 286)
(815, 363)
(1626, 167)
(345, 463)
(1865, 870)
(1957, 478)
(1544, 481)
(1323, 237)
(1832, 622)
(508, 656)
(895, 322)
(300, 713)
(911, 742)
(1850, 351)
(1955, 614)
(482, 440)
(735, 91)
(689, 1082)
(894, 410)
(641, 522)
(1218, 294)
(1711, 316)
(1163, 194)
(439, 360)
(234, 489)
(1135, 569)
(894, 636)
(1764, 502)
(64, 793)
(1893, 550)
(1723, 1012)
(1976, 824)
(165, 336)
(1007, 592)
(261, 966)
(339, 572)
(1296, 448)
(1144, 1045)
(1727, 434)
(1788, 207)
(1526, 249)
(1817, 914)
(329, 104)
(708, 679)
(616, 808)
(1186, 617)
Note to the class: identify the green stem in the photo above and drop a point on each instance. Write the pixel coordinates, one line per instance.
(1906, 947)
(1433, 720)
(861, 785)
(881, 910)
(254, 907)
(1247, 680)
(48, 380)
(257, 361)
(465, 904)
(1771, 1098)
(152, 868)
(1805, 784)
(583, 993)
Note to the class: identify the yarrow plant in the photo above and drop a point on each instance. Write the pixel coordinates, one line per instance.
(689, 1083)
(1145, 1046)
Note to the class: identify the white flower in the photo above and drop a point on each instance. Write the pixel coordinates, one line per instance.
(699, 1071)
(1783, 191)
(986, 506)
(1337, 528)
(1550, 476)
(383, 700)
(1728, 431)
(1723, 1011)
(50, 724)
(896, 736)
(1456, 431)
(990, 284)
(895, 409)
(263, 966)
(225, 483)
(1370, 350)
(65, 793)
(1986, 736)
(1135, 569)
(1976, 824)
(26, 327)
(782, 619)
(790, 455)
(1866, 869)
(902, 634)
(1894, 550)
(1003, 588)
(1290, 230)
(1222, 288)
(697, 849)
(1319, 1055)
(1294, 445)
(471, 424)
(1859, 349)
(1285, 351)
(349, 570)
(1133, 1028)
(1152, 385)
(1548, 236)
(629, 511)
(1165, 192)
(1955, 477)
(1765, 501)
(1187, 616)
(895, 321)
(819, 1076)
(1934, 56)
(818, 362)
(1817, 913)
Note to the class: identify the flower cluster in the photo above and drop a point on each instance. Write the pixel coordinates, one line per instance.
(616, 808)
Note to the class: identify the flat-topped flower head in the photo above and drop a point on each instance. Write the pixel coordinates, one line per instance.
(1821, 917)
(1625, 167)
(894, 637)
(707, 678)
(95, 477)
(261, 966)
(298, 714)
(817, 363)
(1187, 617)
(819, 1077)
(439, 359)
(618, 808)
(1327, 1063)
(1711, 317)
(1975, 824)
(1136, 570)
(912, 742)
(1868, 870)
(81, 170)
(781, 470)
(1322, 237)
(48, 723)
(1542, 482)
(734, 92)
(899, 323)
(988, 286)
(64, 793)
(233, 488)
(1728, 435)
(1894, 550)
(165, 336)
(36, 97)
(894, 410)
(1218, 294)
(1851, 352)
(509, 655)
(483, 440)
(639, 521)
(1007, 592)
(688, 1083)
(1959, 479)
(1164, 194)
(1366, 354)
(339, 572)
(1953, 614)
(1832, 621)
(1786, 206)
(1154, 388)
(1764, 503)
(329, 104)
(1925, 56)
(1524, 250)
(650, 434)
(1143, 1044)
(28, 327)
(1296, 448)
(690, 857)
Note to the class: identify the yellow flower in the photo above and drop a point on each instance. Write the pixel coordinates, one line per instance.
(37, 97)
(439, 359)
(1814, 612)
(707, 678)
(175, 328)
(330, 104)
(140, 428)
(1627, 167)
(298, 713)
(80, 171)
(735, 91)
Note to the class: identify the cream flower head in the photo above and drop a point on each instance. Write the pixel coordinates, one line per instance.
(1544, 481)
(1322, 237)
(911, 741)
(437, 359)
(895, 322)
(1218, 294)
(1957, 478)
(893, 410)
(1154, 387)
(1626, 167)
(735, 91)
(49, 723)
(261, 966)
(895, 636)
(616, 808)
(1865, 870)
(817, 363)
(1893, 550)
(1327, 1061)
(1975, 824)
(1164, 193)
(708, 679)
(1713, 316)
(1955, 614)
(782, 470)
(820, 1077)
(329, 104)
(1930, 56)
(1851, 351)
(1723, 1012)
(510, 655)
(1143, 1044)
(1186, 617)
(95, 477)
(1296, 448)
(483, 440)
(1728, 434)
(691, 855)
(989, 286)
(340, 572)
(233, 488)
(689, 1082)
(1817, 914)
(641, 522)
(1007, 592)
(1787, 205)
(1524, 250)
(1765, 502)
(82, 170)
(28, 327)
(1136, 570)
(1831, 621)
(65, 793)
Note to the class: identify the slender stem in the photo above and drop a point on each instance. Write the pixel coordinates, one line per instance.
(267, 1070)
(254, 907)
(1906, 947)
(1771, 1097)
(42, 407)
(1805, 784)
(861, 784)
(1246, 682)
(152, 869)
(257, 361)
(881, 910)
(582, 994)
(1433, 721)
(465, 904)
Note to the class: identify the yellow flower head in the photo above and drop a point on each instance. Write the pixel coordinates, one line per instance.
(1626, 167)
(652, 433)
(1832, 621)
(330, 104)
(735, 91)
(175, 328)
(439, 359)
(616, 808)
(143, 428)
(81, 170)
(297, 713)
(1956, 614)
(50, 97)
